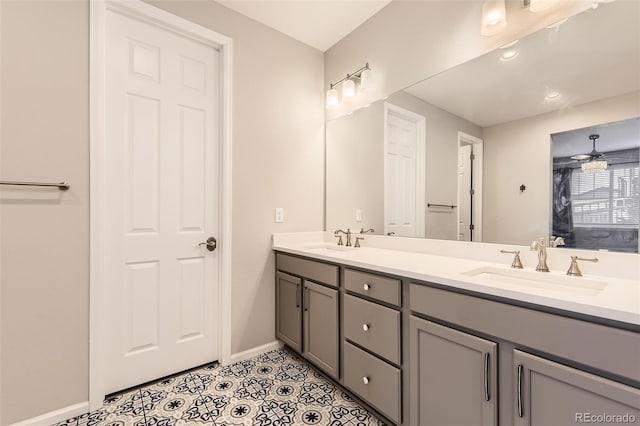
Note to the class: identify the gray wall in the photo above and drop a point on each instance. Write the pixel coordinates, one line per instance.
(519, 152)
(355, 155)
(278, 161)
(44, 243)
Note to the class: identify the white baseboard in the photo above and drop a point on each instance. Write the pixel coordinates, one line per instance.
(250, 353)
(56, 416)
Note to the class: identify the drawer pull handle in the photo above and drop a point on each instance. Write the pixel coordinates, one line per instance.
(366, 287)
(366, 327)
(365, 380)
(486, 377)
(519, 385)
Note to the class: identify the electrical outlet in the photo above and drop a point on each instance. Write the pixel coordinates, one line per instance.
(358, 215)
(279, 215)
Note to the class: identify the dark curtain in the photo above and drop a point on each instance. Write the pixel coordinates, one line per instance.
(562, 212)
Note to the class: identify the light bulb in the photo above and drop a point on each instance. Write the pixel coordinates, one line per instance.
(494, 17)
(332, 98)
(366, 80)
(348, 89)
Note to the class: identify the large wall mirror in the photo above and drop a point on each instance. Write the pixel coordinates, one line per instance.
(507, 148)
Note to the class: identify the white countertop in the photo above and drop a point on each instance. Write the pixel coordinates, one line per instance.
(619, 300)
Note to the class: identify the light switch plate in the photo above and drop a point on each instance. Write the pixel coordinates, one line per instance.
(358, 215)
(279, 215)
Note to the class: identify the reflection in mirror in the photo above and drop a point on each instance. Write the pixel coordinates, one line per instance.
(466, 154)
(596, 186)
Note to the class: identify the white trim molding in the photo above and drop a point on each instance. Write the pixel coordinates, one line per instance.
(56, 416)
(478, 167)
(148, 13)
(250, 353)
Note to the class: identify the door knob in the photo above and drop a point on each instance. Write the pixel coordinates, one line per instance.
(211, 243)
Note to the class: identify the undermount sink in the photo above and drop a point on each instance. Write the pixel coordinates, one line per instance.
(328, 247)
(540, 280)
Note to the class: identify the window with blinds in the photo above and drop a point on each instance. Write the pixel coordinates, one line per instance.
(609, 198)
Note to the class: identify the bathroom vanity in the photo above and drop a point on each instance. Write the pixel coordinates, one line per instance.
(422, 341)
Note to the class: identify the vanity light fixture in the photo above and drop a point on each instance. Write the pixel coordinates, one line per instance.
(508, 55)
(362, 76)
(494, 17)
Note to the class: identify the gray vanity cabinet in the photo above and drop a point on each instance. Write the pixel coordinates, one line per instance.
(453, 377)
(288, 308)
(548, 393)
(307, 301)
(321, 326)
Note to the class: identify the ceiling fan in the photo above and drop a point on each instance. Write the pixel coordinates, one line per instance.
(592, 162)
(593, 155)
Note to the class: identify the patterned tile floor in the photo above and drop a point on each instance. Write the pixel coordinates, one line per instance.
(276, 388)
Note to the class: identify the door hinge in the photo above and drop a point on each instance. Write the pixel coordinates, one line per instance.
(472, 192)
(472, 227)
(472, 156)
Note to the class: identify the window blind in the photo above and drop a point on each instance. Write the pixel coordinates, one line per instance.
(609, 198)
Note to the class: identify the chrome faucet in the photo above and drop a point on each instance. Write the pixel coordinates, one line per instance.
(347, 233)
(540, 246)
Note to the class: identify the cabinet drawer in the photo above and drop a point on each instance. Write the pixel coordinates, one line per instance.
(382, 389)
(382, 334)
(316, 271)
(374, 286)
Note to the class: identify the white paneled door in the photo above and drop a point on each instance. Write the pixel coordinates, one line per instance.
(161, 174)
(404, 173)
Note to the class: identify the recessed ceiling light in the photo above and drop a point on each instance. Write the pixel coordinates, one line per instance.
(509, 44)
(553, 94)
(508, 55)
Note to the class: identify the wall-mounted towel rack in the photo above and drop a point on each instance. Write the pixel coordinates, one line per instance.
(62, 186)
(442, 205)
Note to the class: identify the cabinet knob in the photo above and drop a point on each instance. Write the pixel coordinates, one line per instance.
(366, 287)
(365, 327)
(365, 380)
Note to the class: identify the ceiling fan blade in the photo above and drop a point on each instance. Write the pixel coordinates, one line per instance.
(580, 157)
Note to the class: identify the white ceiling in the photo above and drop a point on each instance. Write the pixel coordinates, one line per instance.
(594, 55)
(318, 23)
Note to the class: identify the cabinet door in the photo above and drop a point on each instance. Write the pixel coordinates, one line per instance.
(453, 377)
(288, 310)
(321, 327)
(548, 393)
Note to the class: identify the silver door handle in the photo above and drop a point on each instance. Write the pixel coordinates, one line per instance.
(211, 243)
